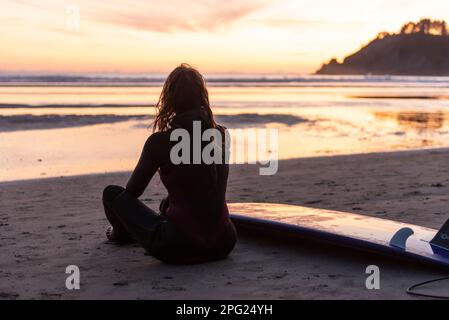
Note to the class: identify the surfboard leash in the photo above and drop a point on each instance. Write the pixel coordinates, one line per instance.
(414, 293)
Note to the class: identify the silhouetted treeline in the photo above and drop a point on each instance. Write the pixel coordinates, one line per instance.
(424, 26)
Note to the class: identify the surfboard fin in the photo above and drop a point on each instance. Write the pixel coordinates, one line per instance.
(400, 238)
(440, 243)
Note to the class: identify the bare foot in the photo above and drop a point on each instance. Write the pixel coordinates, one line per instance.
(118, 238)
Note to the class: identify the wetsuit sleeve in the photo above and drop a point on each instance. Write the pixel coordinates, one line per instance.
(146, 167)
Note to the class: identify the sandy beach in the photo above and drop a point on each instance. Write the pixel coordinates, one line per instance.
(47, 224)
(345, 104)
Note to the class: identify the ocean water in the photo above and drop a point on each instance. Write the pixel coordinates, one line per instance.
(71, 124)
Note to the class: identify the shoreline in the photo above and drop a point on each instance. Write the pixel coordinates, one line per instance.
(28, 121)
(47, 224)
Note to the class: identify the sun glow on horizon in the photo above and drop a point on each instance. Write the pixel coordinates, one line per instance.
(254, 36)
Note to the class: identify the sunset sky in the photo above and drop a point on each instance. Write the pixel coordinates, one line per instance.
(251, 36)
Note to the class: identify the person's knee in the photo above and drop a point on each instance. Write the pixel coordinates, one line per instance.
(111, 192)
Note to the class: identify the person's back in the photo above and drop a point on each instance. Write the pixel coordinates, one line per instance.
(193, 225)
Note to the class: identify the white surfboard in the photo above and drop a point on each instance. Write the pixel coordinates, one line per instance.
(345, 229)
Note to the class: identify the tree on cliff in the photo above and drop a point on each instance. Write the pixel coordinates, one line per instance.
(426, 26)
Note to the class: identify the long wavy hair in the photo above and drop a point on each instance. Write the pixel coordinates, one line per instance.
(184, 90)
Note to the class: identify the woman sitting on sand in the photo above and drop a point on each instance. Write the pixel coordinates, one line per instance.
(193, 224)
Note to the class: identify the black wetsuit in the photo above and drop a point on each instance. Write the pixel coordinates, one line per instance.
(193, 225)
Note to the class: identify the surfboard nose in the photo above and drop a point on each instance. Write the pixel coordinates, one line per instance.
(440, 243)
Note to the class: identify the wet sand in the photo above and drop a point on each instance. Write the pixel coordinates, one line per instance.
(47, 224)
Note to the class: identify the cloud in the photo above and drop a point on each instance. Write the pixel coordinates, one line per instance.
(168, 16)
(31, 4)
(173, 15)
(283, 23)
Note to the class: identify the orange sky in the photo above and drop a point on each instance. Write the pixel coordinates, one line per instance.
(251, 36)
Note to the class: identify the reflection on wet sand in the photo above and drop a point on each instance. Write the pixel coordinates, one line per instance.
(420, 121)
(312, 121)
(402, 97)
